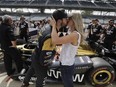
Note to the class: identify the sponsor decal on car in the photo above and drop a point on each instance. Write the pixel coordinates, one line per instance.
(79, 78)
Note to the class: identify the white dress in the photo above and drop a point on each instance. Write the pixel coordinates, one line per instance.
(68, 52)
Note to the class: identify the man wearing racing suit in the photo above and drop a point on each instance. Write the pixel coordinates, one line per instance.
(110, 35)
(95, 30)
(39, 70)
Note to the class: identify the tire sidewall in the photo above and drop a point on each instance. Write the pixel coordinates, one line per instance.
(99, 69)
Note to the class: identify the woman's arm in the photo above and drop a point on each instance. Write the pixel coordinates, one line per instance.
(64, 39)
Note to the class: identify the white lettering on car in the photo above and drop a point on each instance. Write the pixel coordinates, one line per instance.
(78, 77)
(57, 74)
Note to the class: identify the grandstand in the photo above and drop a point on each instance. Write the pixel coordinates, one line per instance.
(41, 5)
(106, 5)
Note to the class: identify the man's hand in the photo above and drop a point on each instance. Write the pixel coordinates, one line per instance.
(53, 22)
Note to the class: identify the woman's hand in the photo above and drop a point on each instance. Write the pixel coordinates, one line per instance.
(53, 22)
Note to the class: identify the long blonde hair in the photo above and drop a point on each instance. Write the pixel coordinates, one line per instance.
(79, 25)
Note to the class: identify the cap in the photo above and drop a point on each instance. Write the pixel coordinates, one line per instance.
(59, 14)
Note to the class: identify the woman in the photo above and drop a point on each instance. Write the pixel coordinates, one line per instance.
(70, 44)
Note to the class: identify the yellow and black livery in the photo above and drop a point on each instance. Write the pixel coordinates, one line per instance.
(45, 50)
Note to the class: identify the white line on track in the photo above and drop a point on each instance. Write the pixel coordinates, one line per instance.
(2, 78)
(8, 83)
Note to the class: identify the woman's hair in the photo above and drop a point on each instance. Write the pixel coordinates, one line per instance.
(79, 25)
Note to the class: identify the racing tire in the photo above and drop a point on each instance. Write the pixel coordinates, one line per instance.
(102, 73)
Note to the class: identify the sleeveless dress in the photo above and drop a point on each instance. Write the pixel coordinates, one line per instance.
(68, 52)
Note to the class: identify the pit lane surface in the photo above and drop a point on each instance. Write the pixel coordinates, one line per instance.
(12, 83)
(49, 83)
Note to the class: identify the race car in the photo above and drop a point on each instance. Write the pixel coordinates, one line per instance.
(89, 66)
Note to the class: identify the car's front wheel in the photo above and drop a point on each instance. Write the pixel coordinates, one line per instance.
(101, 74)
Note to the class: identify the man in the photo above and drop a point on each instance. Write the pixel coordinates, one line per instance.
(8, 44)
(110, 35)
(23, 28)
(41, 71)
(95, 30)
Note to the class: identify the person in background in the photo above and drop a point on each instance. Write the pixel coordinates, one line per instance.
(69, 42)
(95, 30)
(23, 28)
(1, 20)
(109, 35)
(89, 30)
(8, 45)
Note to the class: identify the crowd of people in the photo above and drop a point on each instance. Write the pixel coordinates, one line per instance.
(73, 24)
(105, 35)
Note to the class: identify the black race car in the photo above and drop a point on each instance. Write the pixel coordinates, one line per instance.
(89, 66)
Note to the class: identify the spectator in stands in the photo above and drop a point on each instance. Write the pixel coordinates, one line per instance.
(23, 27)
(8, 44)
(110, 35)
(69, 42)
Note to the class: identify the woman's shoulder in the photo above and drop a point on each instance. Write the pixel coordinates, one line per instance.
(76, 36)
(76, 33)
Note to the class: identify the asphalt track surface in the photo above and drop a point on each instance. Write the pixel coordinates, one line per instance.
(12, 83)
(49, 83)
